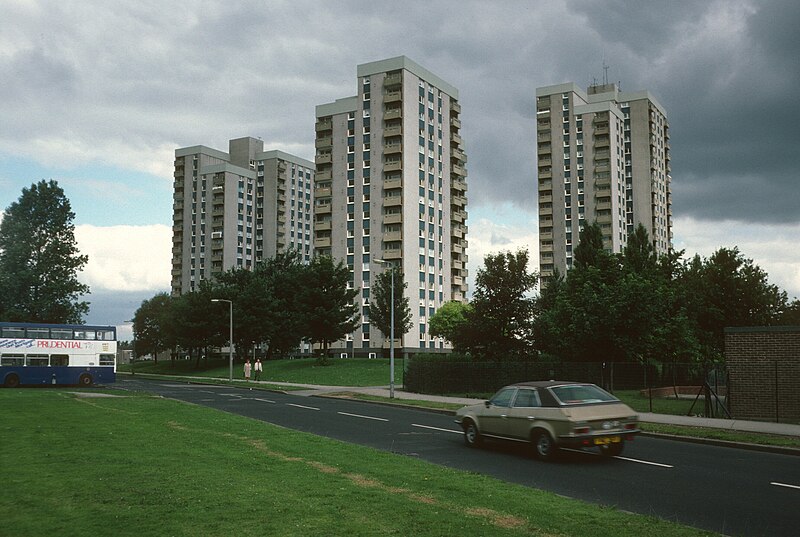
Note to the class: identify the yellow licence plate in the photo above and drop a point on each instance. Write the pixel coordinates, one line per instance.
(607, 440)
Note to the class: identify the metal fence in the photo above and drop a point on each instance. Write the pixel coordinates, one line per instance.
(443, 376)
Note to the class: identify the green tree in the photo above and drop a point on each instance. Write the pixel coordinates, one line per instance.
(153, 331)
(328, 303)
(39, 259)
(449, 320)
(198, 323)
(380, 304)
(728, 289)
(500, 323)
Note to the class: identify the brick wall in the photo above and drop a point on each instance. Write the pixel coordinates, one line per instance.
(764, 372)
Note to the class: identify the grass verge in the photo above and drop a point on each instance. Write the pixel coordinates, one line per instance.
(140, 465)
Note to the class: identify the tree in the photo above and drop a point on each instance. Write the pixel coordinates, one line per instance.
(449, 320)
(153, 331)
(727, 289)
(328, 303)
(380, 304)
(198, 322)
(500, 323)
(39, 259)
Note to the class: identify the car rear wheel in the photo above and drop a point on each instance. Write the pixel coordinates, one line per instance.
(85, 380)
(611, 450)
(544, 447)
(472, 437)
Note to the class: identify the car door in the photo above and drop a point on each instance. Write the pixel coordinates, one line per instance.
(493, 418)
(525, 408)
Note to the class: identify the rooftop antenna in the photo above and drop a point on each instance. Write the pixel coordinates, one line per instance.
(605, 71)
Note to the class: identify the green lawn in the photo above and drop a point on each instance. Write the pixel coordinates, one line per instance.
(141, 465)
(338, 372)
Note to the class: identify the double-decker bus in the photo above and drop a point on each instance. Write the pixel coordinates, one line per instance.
(45, 354)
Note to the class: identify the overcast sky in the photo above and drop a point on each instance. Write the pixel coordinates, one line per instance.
(98, 95)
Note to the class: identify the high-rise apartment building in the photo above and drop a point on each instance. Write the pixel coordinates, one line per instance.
(603, 155)
(391, 185)
(235, 209)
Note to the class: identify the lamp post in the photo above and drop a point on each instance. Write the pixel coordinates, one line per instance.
(391, 328)
(230, 342)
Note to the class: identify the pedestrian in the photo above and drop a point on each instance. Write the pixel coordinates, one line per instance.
(258, 369)
(247, 369)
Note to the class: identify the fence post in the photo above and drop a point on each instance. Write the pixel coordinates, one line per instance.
(777, 405)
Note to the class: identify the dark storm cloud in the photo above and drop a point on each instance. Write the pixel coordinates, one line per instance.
(159, 74)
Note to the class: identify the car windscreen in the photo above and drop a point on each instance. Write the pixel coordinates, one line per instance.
(581, 394)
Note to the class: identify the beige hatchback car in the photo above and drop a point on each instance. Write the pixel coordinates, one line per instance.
(551, 415)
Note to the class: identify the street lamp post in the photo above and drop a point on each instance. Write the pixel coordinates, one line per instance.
(391, 328)
(230, 342)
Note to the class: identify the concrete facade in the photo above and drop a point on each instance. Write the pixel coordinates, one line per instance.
(391, 185)
(602, 155)
(235, 209)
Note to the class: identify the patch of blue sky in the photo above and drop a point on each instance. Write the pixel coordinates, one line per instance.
(100, 194)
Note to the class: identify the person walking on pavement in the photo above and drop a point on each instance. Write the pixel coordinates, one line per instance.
(247, 369)
(258, 369)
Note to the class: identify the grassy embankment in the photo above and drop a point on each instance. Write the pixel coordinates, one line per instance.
(140, 465)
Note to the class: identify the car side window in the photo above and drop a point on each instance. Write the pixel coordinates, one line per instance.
(527, 398)
(503, 397)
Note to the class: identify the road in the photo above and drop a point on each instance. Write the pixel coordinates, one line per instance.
(728, 490)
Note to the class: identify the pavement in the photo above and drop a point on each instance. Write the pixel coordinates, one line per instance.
(782, 429)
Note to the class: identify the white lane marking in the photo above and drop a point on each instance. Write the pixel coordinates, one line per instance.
(301, 406)
(619, 457)
(264, 400)
(644, 462)
(785, 485)
(230, 394)
(360, 416)
(436, 428)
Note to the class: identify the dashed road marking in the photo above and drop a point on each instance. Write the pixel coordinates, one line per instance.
(436, 428)
(361, 416)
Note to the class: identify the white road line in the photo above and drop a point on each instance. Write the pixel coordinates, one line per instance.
(360, 416)
(263, 400)
(785, 485)
(619, 457)
(644, 462)
(301, 406)
(436, 428)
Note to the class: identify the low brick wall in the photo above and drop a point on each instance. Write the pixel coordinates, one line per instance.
(764, 372)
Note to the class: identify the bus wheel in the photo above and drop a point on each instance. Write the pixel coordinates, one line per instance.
(12, 381)
(85, 380)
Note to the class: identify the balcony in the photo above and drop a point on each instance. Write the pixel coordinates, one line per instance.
(322, 242)
(545, 173)
(394, 253)
(395, 79)
(391, 184)
(458, 280)
(322, 226)
(323, 142)
(456, 139)
(458, 154)
(393, 130)
(392, 96)
(393, 165)
(455, 107)
(322, 208)
(392, 201)
(459, 216)
(459, 185)
(604, 219)
(322, 192)
(455, 122)
(603, 206)
(458, 170)
(545, 235)
(602, 141)
(325, 175)
(324, 125)
(393, 218)
(389, 149)
(457, 231)
(545, 211)
(390, 236)
(325, 158)
(392, 113)
(546, 198)
(458, 200)
(457, 248)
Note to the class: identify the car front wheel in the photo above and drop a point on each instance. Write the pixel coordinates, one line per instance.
(544, 447)
(472, 437)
